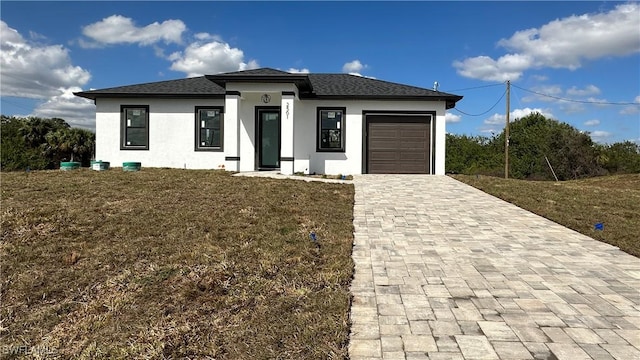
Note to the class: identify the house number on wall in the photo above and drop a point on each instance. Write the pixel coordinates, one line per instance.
(287, 110)
(266, 98)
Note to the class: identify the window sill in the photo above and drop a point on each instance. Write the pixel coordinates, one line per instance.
(209, 149)
(330, 150)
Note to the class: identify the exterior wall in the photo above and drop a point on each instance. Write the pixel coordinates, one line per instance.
(440, 138)
(350, 162)
(172, 132)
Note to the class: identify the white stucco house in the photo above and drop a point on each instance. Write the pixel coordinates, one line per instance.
(267, 119)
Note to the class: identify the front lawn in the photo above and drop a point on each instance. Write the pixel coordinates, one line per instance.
(174, 264)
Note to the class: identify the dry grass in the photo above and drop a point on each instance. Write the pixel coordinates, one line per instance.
(579, 205)
(174, 264)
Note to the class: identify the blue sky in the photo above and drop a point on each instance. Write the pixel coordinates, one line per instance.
(578, 62)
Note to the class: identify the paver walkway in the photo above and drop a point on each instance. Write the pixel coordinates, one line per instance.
(445, 271)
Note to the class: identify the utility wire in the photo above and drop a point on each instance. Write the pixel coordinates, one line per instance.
(517, 97)
(576, 101)
(476, 87)
(494, 105)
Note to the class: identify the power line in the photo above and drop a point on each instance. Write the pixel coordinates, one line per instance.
(577, 101)
(517, 97)
(476, 87)
(494, 105)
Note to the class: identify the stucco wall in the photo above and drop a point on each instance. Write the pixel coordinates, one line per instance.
(172, 131)
(171, 134)
(351, 161)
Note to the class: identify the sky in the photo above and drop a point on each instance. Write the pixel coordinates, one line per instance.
(575, 61)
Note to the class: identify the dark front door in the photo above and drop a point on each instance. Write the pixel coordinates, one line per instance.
(268, 144)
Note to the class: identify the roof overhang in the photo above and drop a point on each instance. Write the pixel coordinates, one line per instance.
(301, 81)
(450, 100)
(95, 95)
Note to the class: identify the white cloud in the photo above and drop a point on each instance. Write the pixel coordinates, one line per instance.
(499, 119)
(540, 78)
(594, 122)
(598, 102)
(353, 67)
(207, 54)
(298, 71)
(508, 67)
(213, 57)
(36, 36)
(203, 36)
(632, 109)
(553, 90)
(587, 91)
(117, 29)
(562, 43)
(571, 107)
(35, 71)
(77, 111)
(556, 93)
(252, 64)
(600, 136)
(452, 118)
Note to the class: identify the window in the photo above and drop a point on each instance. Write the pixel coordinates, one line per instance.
(331, 129)
(209, 122)
(135, 127)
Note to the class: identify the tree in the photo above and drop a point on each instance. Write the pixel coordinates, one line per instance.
(571, 152)
(69, 144)
(34, 129)
(471, 155)
(38, 143)
(15, 154)
(623, 157)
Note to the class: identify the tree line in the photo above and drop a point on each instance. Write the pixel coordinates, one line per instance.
(39, 143)
(533, 140)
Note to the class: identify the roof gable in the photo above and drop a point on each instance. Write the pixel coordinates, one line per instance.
(260, 71)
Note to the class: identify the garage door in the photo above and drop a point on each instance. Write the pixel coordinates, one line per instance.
(398, 144)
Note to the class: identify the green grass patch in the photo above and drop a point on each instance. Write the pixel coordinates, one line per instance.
(174, 264)
(578, 205)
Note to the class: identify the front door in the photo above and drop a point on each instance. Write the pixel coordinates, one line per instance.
(268, 135)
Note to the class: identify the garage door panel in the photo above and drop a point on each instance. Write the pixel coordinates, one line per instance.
(411, 156)
(382, 133)
(412, 145)
(384, 145)
(394, 167)
(415, 134)
(385, 155)
(398, 144)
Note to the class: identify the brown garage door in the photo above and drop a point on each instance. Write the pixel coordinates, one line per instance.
(398, 144)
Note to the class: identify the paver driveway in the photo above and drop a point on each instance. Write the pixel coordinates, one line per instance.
(445, 271)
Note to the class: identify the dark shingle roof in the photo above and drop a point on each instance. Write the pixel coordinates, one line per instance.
(311, 86)
(190, 87)
(347, 85)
